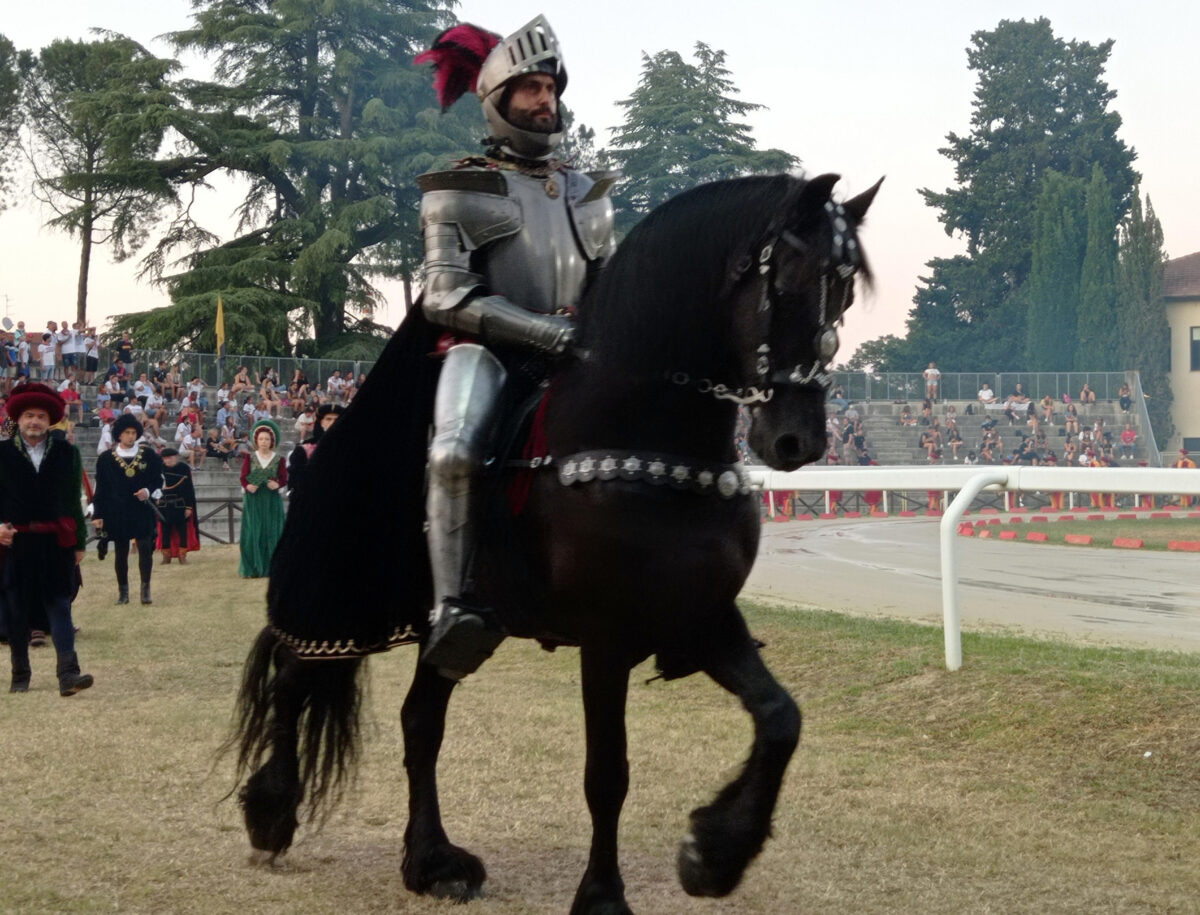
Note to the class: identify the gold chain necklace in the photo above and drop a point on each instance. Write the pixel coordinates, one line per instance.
(130, 469)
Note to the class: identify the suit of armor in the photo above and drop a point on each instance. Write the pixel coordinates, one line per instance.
(507, 254)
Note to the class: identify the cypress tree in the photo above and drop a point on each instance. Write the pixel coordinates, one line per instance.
(1098, 334)
(1058, 251)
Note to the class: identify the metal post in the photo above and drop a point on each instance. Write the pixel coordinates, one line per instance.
(951, 615)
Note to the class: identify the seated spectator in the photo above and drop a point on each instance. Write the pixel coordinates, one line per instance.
(305, 422)
(155, 409)
(928, 441)
(272, 401)
(971, 458)
(954, 441)
(837, 397)
(215, 448)
(1048, 409)
(106, 412)
(241, 381)
(1128, 440)
(1017, 395)
(74, 402)
(142, 388)
(222, 393)
(1071, 420)
(906, 416)
(172, 385)
(195, 392)
(985, 394)
(192, 446)
(1125, 398)
(1087, 395)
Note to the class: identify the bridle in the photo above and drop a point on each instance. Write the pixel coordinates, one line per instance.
(841, 262)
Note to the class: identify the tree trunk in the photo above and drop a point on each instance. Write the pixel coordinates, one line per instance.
(85, 263)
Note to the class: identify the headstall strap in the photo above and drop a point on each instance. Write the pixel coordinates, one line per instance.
(724, 480)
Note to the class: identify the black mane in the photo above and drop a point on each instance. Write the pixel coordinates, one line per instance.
(654, 306)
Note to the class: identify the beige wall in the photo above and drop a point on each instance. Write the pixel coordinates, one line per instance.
(1183, 315)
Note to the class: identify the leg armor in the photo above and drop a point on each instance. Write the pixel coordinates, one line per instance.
(463, 636)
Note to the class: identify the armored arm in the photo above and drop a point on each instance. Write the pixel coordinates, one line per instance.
(461, 212)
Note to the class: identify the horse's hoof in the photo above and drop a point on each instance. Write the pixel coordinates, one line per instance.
(600, 901)
(457, 890)
(445, 871)
(260, 857)
(700, 876)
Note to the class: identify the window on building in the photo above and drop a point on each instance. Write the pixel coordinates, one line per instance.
(1196, 349)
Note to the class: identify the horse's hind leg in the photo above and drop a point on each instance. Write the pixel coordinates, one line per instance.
(727, 834)
(606, 780)
(432, 864)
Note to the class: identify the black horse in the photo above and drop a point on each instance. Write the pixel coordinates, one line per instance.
(633, 535)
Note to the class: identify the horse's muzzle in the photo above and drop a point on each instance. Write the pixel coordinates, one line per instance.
(789, 431)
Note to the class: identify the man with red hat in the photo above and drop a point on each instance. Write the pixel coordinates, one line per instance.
(42, 533)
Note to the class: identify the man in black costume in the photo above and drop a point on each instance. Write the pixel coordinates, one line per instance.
(42, 534)
(127, 478)
(327, 415)
(177, 508)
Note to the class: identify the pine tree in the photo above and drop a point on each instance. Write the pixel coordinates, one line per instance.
(10, 115)
(1145, 333)
(1059, 242)
(681, 129)
(1098, 334)
(96, 112)
(318, 109)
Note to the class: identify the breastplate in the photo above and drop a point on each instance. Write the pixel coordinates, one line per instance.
(541, 267)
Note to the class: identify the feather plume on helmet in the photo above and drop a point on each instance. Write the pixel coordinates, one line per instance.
(457, 56)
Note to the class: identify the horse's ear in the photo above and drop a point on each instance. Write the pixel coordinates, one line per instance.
(857, 206)
(816, 193)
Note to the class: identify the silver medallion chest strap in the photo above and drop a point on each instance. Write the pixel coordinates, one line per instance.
(724, 480)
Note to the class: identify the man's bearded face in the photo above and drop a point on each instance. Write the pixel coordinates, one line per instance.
(533, 103)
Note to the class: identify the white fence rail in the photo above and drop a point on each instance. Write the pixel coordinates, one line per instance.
(969, 482)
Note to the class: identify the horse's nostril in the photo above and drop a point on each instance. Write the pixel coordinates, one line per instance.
(788, 447)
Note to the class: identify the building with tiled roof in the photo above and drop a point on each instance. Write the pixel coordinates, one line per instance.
(1181, 290)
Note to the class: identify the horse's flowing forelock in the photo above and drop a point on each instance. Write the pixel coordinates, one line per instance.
(655, 307)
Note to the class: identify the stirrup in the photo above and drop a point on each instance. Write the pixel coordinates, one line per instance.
(462, 637)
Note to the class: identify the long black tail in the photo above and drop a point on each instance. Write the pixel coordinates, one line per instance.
(302, 717)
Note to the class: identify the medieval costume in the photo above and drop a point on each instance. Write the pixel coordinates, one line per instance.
(127, 478)
(298, 460)
(511, 243)
(177, 534)
(262, 505)
(43, 535)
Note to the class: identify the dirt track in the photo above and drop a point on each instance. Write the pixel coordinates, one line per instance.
(893, 568)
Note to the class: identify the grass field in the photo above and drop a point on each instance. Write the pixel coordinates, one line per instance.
(1156, 533)
(1041, 777)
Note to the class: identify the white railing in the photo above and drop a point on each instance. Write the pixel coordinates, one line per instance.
(969, 482)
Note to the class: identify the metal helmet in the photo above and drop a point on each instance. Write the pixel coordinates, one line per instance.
(530, 49)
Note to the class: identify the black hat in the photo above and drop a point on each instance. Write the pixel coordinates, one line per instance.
(326, 408)
(126, 421)
(168, 452)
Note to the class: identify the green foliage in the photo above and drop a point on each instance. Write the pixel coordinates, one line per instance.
(96, 112)
(1041, 107)
(10, 115)
(316, 105)
(1142, 317)
(1099, 335)
(681, 129)
(1059, 243)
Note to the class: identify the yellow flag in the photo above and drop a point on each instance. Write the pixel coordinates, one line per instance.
(220, 327)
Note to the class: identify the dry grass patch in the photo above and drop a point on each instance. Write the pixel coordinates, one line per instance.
(1020, 783)
(1155, 532)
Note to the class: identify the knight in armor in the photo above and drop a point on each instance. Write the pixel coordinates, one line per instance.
(512, 240)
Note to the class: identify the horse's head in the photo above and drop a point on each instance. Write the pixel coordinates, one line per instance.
(791, 295)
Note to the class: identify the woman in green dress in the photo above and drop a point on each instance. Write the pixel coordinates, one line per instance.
(264, 475)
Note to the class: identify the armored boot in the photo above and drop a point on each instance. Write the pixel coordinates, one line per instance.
(70, 680)
(462, 635)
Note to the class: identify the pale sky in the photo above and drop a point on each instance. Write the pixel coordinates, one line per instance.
(866, 90)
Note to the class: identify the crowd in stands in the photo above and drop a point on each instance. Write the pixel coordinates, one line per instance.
(174, 412)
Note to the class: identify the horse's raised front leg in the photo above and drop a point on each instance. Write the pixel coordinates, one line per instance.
(431, 863)
(727, 834)
(605, 679)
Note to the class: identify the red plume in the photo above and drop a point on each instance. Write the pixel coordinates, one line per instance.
(457, 56)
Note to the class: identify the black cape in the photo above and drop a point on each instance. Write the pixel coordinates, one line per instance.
(350, 575)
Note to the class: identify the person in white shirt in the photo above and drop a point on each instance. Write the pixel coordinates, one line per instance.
(47, 355)
(23, 358)
(182, 430)
(142, 388)
(153, 411)
(91, 355)
(986, 395)
(336, 385)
